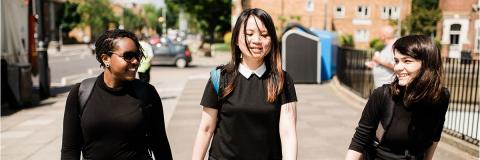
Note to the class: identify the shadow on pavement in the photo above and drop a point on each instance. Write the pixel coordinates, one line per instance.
(9, 109)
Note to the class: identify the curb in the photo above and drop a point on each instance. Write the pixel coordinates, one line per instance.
(358, 103)
(463, 146)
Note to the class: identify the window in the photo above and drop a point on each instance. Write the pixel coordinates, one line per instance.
(455, 33)
(361, 35)
(390, 12)
(362, 11)
(478, 38)
(339, 11)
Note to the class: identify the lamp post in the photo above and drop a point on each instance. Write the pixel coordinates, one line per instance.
(161, 20)
(43, 69)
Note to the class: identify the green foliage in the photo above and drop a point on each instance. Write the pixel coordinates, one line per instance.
(376, 44)
(220, 47)
(150, 16)
(424, 18)
(211, 16)
(173, 11)
(97, 14)
(132, 21)
(347, 41)
(70, 17)
(227, 38)
(428, 4)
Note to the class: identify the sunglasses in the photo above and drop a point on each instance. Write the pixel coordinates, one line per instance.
(129, 56)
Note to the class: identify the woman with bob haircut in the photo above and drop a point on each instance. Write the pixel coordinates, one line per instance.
(253, 116)
(409, 112)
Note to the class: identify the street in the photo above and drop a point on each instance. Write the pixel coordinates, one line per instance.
(327, 115)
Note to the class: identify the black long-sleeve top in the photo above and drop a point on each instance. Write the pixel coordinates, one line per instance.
(412, 128)
(113, 124)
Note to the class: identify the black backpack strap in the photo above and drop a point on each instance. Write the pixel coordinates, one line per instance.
(84, 92)
(387, 114)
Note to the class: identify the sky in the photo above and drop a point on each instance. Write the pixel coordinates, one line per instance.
(157, 3)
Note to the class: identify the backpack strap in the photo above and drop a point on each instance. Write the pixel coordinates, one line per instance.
(84, 92)
(387, 115)
(215, 74)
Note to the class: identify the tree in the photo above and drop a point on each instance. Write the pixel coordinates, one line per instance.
(97, 14)
(70, 18)
(131, 21)
(212, 16)
(425, 19)
(150, 16)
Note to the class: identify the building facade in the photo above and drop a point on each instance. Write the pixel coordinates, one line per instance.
(459, 29)
(360, 18)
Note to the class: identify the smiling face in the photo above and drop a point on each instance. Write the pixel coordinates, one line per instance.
(406, 68)
(254, 41)
(122, 66)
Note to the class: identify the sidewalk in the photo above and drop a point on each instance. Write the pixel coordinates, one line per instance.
(326, 123)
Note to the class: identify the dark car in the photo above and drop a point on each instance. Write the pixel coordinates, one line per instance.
(171, 54)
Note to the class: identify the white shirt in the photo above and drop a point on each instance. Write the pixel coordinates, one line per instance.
(381, 74)
(247, 73)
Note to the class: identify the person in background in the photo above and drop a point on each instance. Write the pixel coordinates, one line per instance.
(254, 114)
(123, 116)
(418, 104)
(145, 63)
(382, 63)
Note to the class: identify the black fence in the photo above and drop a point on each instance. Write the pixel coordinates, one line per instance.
(352, 71)
(462, 80)
(461, 77)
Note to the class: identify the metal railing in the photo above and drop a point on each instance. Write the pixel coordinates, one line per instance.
(461, 77)
(352, 71)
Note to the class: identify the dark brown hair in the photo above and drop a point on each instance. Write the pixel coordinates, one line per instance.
(273, 60)
(427, 85)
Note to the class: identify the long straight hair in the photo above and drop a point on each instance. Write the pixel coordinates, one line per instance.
(272, 60)
(427, 85)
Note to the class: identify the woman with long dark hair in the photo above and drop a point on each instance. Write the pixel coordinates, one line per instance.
(253, 114)
(408, 113)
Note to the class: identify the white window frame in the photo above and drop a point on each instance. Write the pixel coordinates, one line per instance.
(390, 12)
(338, 14)
(365, 11)
(361, 35)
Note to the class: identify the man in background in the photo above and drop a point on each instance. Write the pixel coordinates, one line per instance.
(382, 63)
(144, 68)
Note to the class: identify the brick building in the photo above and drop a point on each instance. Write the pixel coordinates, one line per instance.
(459, 29)
(360, 18)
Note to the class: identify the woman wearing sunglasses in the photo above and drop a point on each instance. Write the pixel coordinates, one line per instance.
(122, 118)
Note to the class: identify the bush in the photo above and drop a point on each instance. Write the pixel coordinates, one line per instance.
(220, 47)
(227, 38)
(347, 41)
(376, 44)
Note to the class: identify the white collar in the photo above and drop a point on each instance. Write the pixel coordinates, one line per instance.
(247, 72)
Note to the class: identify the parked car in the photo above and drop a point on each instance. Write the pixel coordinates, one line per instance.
(171, 54)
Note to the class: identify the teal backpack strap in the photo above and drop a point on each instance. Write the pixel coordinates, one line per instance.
(84, 91)
(215, 78)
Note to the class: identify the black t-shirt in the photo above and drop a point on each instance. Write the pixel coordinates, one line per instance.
(113, 125)
(247, 125)
(414, 128)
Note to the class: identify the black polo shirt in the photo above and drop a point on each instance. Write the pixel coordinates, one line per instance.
(247, 125)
